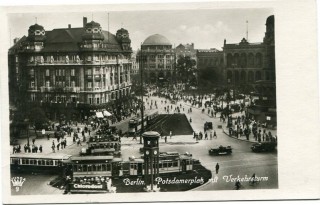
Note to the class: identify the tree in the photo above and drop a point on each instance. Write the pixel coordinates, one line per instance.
(186, 68)
(37, 118)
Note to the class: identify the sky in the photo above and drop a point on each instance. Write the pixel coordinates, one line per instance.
(206, 28)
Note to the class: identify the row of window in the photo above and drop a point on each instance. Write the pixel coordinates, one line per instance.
(98, 99)
(98, 70)
(39, 162)
(92, 167)
(50, 58)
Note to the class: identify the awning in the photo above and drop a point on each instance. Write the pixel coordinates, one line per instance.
(99, 114)
(106, 113)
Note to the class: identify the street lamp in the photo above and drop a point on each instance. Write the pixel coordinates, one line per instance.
(141, 89)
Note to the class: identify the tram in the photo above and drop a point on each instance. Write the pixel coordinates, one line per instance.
(38, 162)
(135, 124)
(103, 143)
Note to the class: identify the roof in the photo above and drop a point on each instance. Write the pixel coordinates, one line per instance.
(151, 134)
(41, 155)
(91, 158)
(68, 39)
(156, 39)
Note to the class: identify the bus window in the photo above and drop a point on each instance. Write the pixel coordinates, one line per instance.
(108, 167)
(104, 167)
(79, 168)
(99, 168)
(160, 165)
(175, 164)
(94, 168)
(84, 168)
(24, 161)
(14, 161)
(32, 161)
(51, 162)
(89, 168)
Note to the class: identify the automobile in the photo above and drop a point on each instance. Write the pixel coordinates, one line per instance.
(208, 125)
(221, 150)
(263, 147)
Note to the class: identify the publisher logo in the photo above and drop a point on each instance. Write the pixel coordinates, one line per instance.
(17, 182)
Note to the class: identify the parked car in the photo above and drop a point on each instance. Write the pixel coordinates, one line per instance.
(264, 147)
(221, 150)
(208, 125)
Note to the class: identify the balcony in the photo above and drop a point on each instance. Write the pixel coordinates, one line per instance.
(46, 89)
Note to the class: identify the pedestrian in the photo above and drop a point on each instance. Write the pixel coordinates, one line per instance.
(217, 168)
(40, 148)
(215, 134)
(170, 134)
(53, 148)
(211, 135)
(165, 139)
(33, 141)
(206, 136)
(58, 146)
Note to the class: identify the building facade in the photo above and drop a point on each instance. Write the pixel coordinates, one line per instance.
(186, 50)
(210, 60)
(247, 62)
(251, 66)
(157, 60)
(74, 69)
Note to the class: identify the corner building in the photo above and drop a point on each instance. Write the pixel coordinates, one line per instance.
(71, 71)
(157, 59)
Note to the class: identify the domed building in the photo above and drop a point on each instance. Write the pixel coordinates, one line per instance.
(157, 58)
(71, 70)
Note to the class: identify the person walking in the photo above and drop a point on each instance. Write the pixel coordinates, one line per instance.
(215, 134)
(170, 134)
(40, 148)
(211, 135)
(165, 139)
(217, 168)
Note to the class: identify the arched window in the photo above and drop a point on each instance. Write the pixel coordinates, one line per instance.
(236, 60)
(243, 76)
(258, 75)
(243, 60)
(250, 60)
(229, 60)
(259, 60)
(250, 76)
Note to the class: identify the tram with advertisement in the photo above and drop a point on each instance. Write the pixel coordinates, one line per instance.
(94, 174)
(135, 124)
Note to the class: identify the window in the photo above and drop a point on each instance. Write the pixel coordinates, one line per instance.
(90, 100)
(73, 72)
(98, 100)
(33, 97)
(73, 84)
(47, 84)
(32, 84)
(89, 72)
(17, 59)
(31, 72)
(89, 84)
(47, 98)
(47, 72)
(17, 69)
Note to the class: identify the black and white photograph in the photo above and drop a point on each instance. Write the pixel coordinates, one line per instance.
(143, 100)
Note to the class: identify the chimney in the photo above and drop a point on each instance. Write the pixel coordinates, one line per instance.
(15, 40)
(69, 26)
(84, 21)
